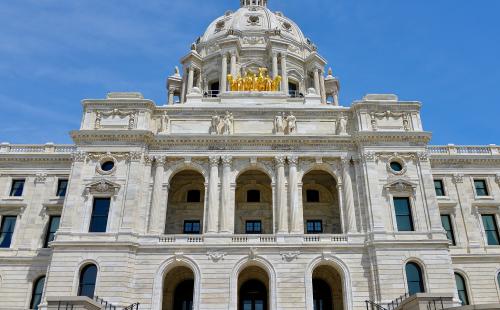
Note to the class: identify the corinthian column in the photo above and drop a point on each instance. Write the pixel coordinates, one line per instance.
(348, 197)
(155, 216)
(223, 78)
(213, 195)
(281, 195)
(190, 79)
(284, 74)
(275, 65)
(225, 210)
(233, 63)
(297, 221)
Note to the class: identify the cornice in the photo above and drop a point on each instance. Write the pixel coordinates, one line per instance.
(20, 157)
(114, 136)
(421, 137)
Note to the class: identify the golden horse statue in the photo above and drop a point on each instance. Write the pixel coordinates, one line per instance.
(252, 82)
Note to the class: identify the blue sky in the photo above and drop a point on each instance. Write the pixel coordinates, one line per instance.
(54, 53)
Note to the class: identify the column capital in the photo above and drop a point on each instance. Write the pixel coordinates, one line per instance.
(233, 53)
(214, 160)
(293, 160)
(280, 160)
(224, 54)
(160, 160)
(284, 54)
(227, 160)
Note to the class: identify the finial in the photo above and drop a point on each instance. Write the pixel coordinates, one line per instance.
(330, 73)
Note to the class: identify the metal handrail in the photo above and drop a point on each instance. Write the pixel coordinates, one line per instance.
(211, 93)
(133, 307)
(431, 305)
(295, 94)
(105, 303)
(370, 305)
(398, 301)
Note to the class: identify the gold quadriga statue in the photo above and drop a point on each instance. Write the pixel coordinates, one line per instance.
(252, 82)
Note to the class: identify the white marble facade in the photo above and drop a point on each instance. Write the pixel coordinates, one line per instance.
(286, 145)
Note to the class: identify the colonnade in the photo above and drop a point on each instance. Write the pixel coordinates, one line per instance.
(220, 206)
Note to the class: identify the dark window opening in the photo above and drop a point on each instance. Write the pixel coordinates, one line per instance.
(7, 231)
(62, 186)
(396, 166)
(51, 230)
(314, 227)
(403, 214)
(214, 89)
(183, 296)
(36, 296)
(100, 212)
(253, 195)
(17, 188)
(107, 166)
(481, 188)
(88, 278)
(193, 196)
(462, 289)
(253, 296)
(439, 187)
(312, 195)
(293, 90)
(253, 227)
(446, 222)
(491, 229)
(192, 227)
(414, 279)
(322, 295)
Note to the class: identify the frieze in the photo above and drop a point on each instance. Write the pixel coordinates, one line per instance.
(289, 256)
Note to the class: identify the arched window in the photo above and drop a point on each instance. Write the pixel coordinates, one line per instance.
(322, 295)
(88, 277)
(253, 296)
(36, 295)
(462, 289)
(414, 279)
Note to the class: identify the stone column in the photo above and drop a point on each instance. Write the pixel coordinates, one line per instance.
(297, 219)
(322, 86)
(154, 221)
(281, 195)
(213, 196)
(225, 210)
(275, 65)
(348, 196)
(183, 89)
(223, 78)
(190, 79)
(316, 82)
(171, 95)
(233, 63)
(284, 74)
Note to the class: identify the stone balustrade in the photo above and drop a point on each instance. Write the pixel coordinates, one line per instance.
(464, 150)
(37, 148)
(255, 239)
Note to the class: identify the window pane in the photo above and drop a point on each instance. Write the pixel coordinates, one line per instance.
(314, 227)
(62, 185)
(481, 189)
(403, 214)
(87, 281)
(7, 231)
(446, 222)
(438, 185)
(192, 227)
(52, 229)
(491, 229)
(462, 289)
(17, 188)
(414, 279)
(100, 212)
(36, 297)
(253, 227)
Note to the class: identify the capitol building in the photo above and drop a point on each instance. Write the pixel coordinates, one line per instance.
(253, 188)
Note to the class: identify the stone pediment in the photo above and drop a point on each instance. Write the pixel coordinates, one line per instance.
(102, 187)
(400, 185)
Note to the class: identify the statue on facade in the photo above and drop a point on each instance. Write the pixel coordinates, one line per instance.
(164, 123)
(250, 81)
(291, 124)
(228, 122)
(342, 127)
(215, 128)
(279, 125)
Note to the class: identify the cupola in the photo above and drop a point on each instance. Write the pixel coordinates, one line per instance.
(253, 3)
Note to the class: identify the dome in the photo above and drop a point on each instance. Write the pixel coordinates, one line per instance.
(254, 21)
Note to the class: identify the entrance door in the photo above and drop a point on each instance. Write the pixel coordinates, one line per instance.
(183, 298)
(253, 296)
(322, 295)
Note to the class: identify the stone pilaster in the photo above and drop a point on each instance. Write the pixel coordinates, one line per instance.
(284, 74)
(213, 196)
(227, 203)
(348, 197)
(155, 214)
(223, 78)
(275, 65)
(297, 222)
(233, 64)
(322, 88)
(190, 79)
(316, 82)
(281, 195)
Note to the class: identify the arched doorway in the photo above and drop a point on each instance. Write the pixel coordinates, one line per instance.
(320, 201)
(178, 289)
(253, 289)
(254, 201)
(186, 203)
(327, 288)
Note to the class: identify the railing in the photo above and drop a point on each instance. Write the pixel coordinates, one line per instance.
(132, 307)
(211, 94)
(181, 239)
(107, 306)
(295, 94)
(37, 148)
(325, 238)
(370, 305)
(436, 304)
(398, 301)
(464, 150)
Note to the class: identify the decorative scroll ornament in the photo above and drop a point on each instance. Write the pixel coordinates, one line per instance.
(252, 255)
(40, 178)
(79, 156)
(458, 178)
(388, 114)
(289, 256)
(116, 112)
(253, 82)
(216, 256)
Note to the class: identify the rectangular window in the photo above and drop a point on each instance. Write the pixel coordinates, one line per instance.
(100, 212)
(491, 229)
(314, 227)
(438, 185)
(253, 227)
(17, 188)
(192, 227)
(481, 188)
(7, 230)
(446, 222)
(403, 214)
(312, 195)
(193, 196)
(51, 230)
(62, 185)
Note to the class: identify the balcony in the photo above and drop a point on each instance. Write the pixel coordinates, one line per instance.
(240, 239)
(449, 150)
